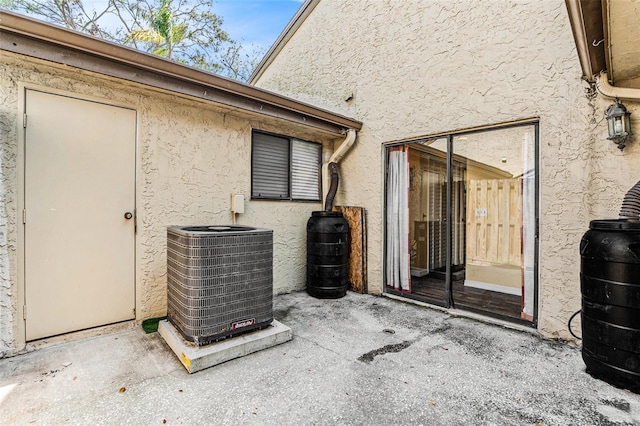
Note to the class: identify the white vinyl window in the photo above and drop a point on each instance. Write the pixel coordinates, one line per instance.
(284, 168)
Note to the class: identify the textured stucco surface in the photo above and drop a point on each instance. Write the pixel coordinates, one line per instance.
(422, 67)
(191, 156)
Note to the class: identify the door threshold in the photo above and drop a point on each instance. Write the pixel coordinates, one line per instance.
(466, 314)
(78, 335)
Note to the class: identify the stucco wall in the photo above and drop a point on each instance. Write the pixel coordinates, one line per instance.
(423, 67)
(191, 156)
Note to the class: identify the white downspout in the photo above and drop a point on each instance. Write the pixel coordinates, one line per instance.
(335, 158)
(606, 89)
(344, 147)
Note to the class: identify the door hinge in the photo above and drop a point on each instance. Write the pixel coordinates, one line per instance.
(24, 120)
(24, 312)
(24, 216)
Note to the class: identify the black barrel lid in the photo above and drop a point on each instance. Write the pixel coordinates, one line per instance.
(326, 214)
(615, 224)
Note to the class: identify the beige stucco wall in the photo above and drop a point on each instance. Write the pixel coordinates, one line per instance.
(422, 67)
(191, 156)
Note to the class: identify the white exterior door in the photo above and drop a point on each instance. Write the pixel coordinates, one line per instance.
(79, 238)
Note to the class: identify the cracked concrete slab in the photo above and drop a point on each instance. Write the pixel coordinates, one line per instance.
(350, 362)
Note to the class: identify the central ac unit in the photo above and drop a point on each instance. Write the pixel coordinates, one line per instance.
(219, 280)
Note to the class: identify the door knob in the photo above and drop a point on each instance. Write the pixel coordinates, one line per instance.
(128, 215)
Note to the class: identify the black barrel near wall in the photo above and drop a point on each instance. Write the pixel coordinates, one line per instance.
(610, 285)
(327, 255)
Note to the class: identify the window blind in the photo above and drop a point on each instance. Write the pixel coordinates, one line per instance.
(270, 167)
(305, 170)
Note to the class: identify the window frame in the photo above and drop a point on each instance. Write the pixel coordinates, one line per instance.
(289, 197)
(448, 301)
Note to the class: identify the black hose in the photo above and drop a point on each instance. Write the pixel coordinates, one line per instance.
(569, 324)
(631, 203)
(328, 204)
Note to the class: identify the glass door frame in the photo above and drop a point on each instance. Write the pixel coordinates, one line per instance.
(448, 301)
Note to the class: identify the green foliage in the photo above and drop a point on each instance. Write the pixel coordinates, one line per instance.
(181, 30)
(184, 31)
(150, 325)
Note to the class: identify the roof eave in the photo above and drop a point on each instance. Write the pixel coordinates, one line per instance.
(22, 35)
(293, 26)
(587, 24)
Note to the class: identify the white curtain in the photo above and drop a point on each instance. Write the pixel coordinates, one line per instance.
(528, 222)
(397, 262)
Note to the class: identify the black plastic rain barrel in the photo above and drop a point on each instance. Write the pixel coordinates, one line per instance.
(610, 285)
(327, 255)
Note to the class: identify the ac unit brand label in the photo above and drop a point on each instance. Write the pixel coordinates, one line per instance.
(245, 323)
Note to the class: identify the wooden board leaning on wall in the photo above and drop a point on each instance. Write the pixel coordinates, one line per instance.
(356, 217)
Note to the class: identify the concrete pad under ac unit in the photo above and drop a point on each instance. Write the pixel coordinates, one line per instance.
(196, 358)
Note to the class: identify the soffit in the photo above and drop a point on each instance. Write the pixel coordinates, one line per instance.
(607, 37)
(622, 22)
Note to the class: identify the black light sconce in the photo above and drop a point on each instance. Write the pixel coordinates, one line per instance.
(619, 124)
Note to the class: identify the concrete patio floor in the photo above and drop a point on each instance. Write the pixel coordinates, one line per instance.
(341, 367)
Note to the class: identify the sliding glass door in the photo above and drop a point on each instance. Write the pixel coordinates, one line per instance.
(428, 198)
(471, 232)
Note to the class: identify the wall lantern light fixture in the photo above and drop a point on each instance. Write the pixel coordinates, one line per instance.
(618, 122)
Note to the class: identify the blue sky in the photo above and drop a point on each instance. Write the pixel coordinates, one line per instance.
(257, 22)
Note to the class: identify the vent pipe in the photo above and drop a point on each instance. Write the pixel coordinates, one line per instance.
(631, 204)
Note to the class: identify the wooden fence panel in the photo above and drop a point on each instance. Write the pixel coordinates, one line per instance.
(494, 222)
